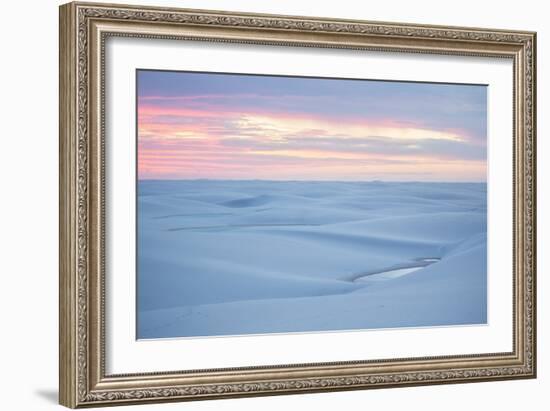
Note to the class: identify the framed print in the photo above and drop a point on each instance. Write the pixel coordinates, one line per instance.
(258, 204)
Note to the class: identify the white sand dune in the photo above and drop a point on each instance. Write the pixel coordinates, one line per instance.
(239, 257)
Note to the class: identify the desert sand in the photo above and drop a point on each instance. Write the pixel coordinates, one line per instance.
(252, 257)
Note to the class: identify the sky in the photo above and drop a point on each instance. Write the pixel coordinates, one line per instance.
(244, 127)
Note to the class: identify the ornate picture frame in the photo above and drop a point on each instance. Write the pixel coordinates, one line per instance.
(84, 30)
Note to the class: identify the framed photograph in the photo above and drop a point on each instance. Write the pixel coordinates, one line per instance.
(259, 204)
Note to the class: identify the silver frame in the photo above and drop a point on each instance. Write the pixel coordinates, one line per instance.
(84, 28)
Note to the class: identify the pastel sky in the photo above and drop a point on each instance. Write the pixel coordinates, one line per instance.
(225, 126)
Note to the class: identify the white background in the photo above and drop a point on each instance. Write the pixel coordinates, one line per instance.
(28, 206)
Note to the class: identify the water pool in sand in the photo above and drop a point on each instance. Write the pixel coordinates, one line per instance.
(396, 272)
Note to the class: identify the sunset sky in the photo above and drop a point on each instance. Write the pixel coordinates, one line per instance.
(221, 126)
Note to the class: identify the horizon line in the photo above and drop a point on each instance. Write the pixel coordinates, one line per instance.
(312, 181)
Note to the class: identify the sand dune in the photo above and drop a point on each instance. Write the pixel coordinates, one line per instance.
(238, 257)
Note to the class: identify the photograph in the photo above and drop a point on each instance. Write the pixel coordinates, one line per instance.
(286, 204)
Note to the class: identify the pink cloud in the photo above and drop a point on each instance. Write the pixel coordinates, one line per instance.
(188, 142)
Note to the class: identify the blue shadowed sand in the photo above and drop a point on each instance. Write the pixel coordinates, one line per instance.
(252, 257)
